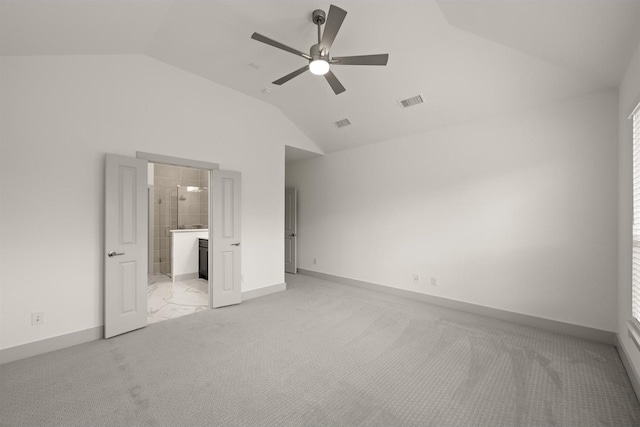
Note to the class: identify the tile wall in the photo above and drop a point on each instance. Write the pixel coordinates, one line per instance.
(176, 208)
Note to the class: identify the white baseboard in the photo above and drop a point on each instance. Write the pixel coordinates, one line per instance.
(183, 277)
(50, 344)
(261, 292)
(56, 343)
(80, 337)
(523, 319)
(628, 366)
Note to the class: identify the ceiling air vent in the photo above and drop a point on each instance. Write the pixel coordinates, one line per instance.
(410, 102)
(342, 123)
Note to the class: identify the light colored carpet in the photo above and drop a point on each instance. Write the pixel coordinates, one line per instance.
(324, 354)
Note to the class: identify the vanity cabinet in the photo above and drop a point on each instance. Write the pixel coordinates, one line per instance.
(203, 258)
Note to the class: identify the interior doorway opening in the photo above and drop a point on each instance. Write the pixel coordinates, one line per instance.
(127, 247)
(179, 209)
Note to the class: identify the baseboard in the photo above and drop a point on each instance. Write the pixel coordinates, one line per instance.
(628, 366)
(56, 343)
(50, 344)
(523, 319)
(183, 277)
(261, 292)
(80, 337)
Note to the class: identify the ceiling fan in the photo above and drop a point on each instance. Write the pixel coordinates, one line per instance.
(319, 57)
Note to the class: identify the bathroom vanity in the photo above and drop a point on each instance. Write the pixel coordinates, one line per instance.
(203, 258)
(185, 253)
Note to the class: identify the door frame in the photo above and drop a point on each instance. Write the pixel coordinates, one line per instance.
(150, 223)
(198, 164)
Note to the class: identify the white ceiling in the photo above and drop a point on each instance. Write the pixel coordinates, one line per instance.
(468, 59)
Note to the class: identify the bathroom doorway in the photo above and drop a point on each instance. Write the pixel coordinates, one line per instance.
(178, 241)
(126, 252)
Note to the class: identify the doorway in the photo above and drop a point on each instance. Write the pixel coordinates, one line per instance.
(179, 223)
(290, 230)
(126, 254)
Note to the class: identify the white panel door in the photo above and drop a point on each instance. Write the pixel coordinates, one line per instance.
(225, 260)
(125, 254)
(290, 230)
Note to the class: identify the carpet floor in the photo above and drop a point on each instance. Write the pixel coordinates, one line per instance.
(324, 354)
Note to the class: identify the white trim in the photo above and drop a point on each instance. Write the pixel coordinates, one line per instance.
(209, 241)
(50, 344)
(634, 332)
(180, 162)
(150, 226)
(635, 257)
(176, 161)
(261, 292)
(634, 378)
(80, 337)
(523, 319)
(186, 276)
(635, 110)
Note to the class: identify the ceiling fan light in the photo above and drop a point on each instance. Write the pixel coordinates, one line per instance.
(319, 67)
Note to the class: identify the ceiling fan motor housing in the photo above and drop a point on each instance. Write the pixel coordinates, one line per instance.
(316, 53)
(318, 16)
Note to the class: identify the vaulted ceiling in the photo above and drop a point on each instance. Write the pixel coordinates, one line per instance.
(468, 59)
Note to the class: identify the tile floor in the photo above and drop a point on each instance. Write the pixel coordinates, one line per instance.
(167, 300)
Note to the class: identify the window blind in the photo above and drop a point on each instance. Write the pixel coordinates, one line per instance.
(635, 280)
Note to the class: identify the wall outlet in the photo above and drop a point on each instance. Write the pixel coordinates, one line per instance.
(416, 278)
(315, 261)
(434, 281)
(37, 318)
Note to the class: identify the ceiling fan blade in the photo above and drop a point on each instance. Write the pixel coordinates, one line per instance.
(267, 40)
(291, 75)
(332, 26)
(380, 59)
(334, 83)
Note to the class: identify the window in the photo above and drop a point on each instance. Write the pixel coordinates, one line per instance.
(635, 291)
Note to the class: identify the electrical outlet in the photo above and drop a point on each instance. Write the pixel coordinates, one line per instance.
(315, 261)
(434, 281)
(37, 318)
(416, 278)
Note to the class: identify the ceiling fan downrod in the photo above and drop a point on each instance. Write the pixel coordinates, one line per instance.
(318, 17)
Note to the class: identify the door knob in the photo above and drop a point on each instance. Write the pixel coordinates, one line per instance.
(235, 244)
(114, 253)
(292, 235)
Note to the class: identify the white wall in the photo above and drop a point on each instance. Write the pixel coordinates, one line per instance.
(518, 212)
(185, 251)
(629, 97)
(150, 173)
(60, 115)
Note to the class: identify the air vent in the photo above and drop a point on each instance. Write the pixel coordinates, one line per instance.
(410, 102)
(342, 123)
